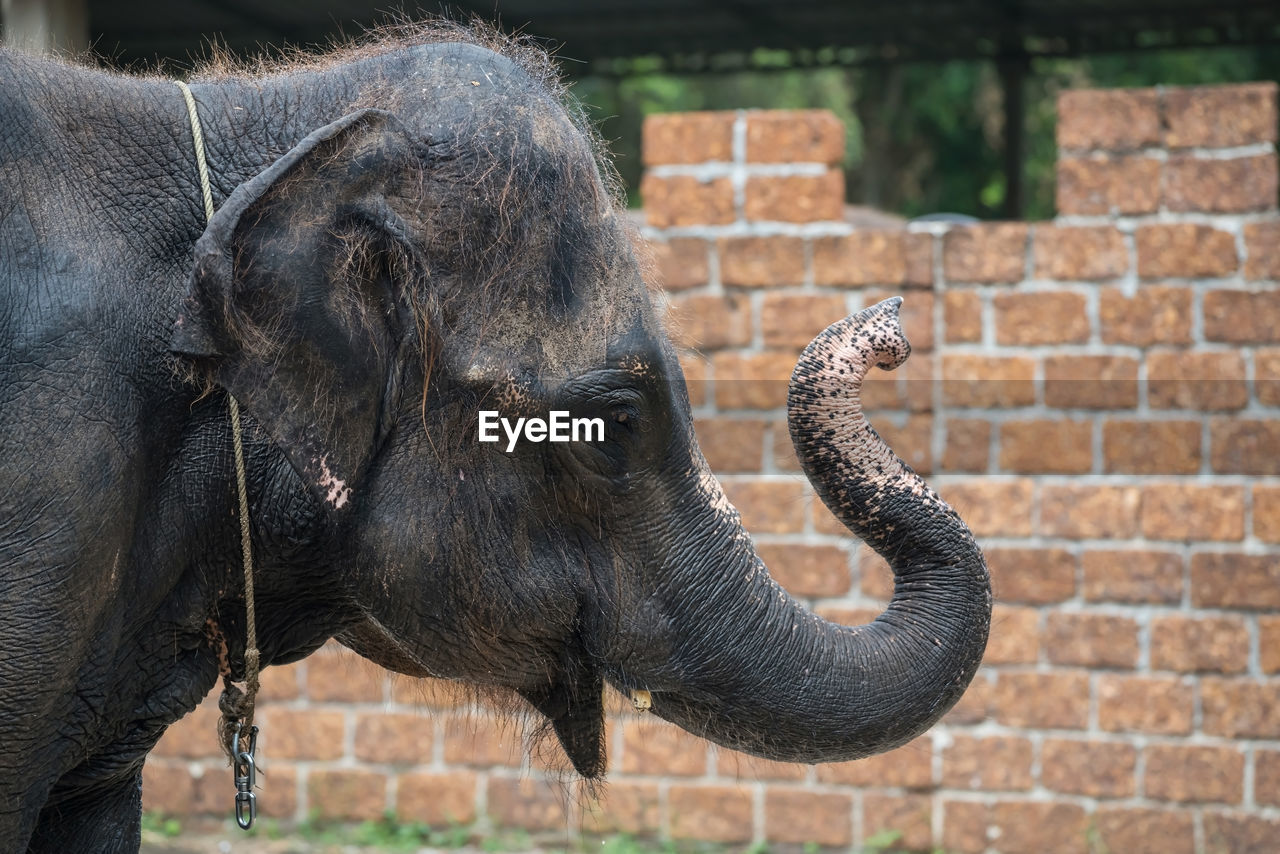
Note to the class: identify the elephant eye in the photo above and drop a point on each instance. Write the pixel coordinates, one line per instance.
(624, 420)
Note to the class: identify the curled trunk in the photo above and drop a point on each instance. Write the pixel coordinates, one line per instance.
(753, 669)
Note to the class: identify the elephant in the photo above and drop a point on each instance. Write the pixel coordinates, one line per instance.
(408, 232)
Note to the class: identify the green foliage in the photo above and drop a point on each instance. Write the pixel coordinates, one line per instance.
(387, 833)
(159, 824)
(881, 840)
(507, 840)
(920, 138)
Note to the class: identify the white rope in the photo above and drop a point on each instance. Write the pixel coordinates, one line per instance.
(251, 655)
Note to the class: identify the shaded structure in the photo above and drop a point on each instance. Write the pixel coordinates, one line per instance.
(688, 36)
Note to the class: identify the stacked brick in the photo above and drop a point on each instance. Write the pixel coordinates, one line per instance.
(1098, 395)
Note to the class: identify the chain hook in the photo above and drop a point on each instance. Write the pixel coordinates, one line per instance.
(246, 771)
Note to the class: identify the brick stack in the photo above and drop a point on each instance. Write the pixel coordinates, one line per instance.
(1098, 396)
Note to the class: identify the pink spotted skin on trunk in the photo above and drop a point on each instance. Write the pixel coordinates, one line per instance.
(831, 434)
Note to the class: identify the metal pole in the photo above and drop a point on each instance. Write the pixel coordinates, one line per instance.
(1013, 75)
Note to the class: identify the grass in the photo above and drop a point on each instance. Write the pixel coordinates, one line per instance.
(393, 835)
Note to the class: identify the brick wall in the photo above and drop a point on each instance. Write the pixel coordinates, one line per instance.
(1097, 395)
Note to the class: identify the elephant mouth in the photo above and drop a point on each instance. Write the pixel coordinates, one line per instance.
(572, 701)
(574, 705)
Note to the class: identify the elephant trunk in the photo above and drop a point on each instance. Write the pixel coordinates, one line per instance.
(745, 665)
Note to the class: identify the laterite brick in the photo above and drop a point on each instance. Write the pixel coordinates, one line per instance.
(681, 200)
(791, 321)
(1240, 833)
(1194, 774)
(624, 807)
(988, 382)
(968, 445)
(1269, 643)
(794, 136)
(527, 803)
(808, 571)
(1142, 829)
(990, 763)
(732, 445)
(437, 799)
(1015, 636)
(1041, 318)
(1199, 644)
(1244, 445)
(347, 793)
(961, 316)
(1262, 250)
(1057, 700)
(1215, 185)
(1266, 513)
(1151, 447)
(1132, 577)
(992, 508)
(1108, 184)
(906, 767)
(682, 138)
(711, 813)
(1220, 116)
(1242, 317)
(1174, 510)
(394, 738)
(1160, 705)
(747, 768)
(1154, 315)
(1108, 119)
(802, 817)
(768, 506)
(681, 262)
(1240, 708)
(1266, 777)
(1094, 769)
(1046, 446)
(1266, 375)
(709, 321)
(656, 747)
(1190, 380)
(1089, 512)
(1079, 253)
(1034, 576)
(301, 733)
(864, 257)
(1184, 250)
(1091, 640)
(761, 262)
(1034, 827)
(795, 198)
(752, 380)
(988, 253)
(341, 676)
(909, 815)
(1091, 382)
(1234, 580)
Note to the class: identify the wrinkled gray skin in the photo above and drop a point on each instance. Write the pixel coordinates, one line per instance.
(416, 218)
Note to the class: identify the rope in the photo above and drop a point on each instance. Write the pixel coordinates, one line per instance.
(236, 706)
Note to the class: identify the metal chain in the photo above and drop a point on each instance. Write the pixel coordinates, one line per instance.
(237, 715)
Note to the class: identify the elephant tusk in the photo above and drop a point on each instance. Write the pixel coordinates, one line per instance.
(641, 699)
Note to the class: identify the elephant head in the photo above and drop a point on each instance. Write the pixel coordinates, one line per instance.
(431, 256)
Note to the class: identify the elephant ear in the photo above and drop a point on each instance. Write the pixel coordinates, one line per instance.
(294, 304)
